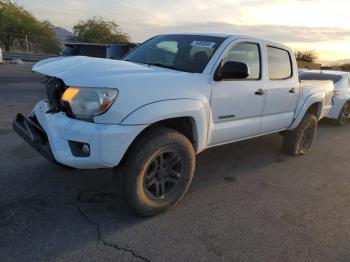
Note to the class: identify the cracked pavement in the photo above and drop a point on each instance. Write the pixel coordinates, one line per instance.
(248, 202)
(100, 195)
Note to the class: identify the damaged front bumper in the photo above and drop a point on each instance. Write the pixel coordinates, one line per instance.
(58, 137)
(30, 130)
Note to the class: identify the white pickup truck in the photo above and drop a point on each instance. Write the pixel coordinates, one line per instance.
(169, 99)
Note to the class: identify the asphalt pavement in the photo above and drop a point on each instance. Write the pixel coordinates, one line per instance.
(248, 201)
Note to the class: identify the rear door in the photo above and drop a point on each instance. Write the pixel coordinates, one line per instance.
(283, 90)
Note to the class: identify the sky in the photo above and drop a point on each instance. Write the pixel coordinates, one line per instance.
(320, 25)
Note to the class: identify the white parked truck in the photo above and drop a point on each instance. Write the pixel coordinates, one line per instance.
(169, 99)
(340, 111)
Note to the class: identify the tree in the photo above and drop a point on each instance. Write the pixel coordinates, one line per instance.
(308, 56)
(345, 67)
(44, 38)
(97, 30)
(18, 25)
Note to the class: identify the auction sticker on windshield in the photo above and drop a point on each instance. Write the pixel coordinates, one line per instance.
(202, 44)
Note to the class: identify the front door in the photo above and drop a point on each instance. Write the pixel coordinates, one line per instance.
(237, 105)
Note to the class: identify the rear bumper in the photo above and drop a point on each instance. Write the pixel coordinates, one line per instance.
(51, 134)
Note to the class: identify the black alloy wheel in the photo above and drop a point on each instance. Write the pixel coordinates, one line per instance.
(163, 174)
(344, 114)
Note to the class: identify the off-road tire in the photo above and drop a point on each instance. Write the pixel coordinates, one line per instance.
(343, 115)
(299, 141)
(152, 148)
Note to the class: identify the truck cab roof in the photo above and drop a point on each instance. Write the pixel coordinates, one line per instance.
(233, 36)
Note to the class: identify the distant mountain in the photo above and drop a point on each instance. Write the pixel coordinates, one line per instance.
(62, 33)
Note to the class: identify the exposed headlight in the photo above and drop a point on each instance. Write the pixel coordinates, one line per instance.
(86, 102)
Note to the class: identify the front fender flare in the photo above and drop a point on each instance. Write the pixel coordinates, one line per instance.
(167, 109)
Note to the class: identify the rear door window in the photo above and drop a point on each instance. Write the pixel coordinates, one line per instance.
(279, 63)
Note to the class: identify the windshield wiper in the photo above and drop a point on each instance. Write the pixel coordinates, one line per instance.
(156, 64)
(163, 65)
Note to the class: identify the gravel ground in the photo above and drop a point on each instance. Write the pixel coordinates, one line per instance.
(248, 201)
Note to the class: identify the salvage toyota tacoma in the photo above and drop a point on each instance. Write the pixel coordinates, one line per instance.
(172, 97)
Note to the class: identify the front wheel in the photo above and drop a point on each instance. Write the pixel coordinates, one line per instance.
(157, 171)
(299, 141)
(344, 114)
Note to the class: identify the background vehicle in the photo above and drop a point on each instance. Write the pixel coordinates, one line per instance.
(340, 110)
(118, 51)
(84, 49)
(171, 98)
(112, 51)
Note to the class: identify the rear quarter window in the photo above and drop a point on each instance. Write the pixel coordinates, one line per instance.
(279, 63)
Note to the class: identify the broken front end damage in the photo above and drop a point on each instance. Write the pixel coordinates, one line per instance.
(72, 142)
(31, 131)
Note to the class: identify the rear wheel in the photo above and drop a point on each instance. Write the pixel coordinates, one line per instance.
(344, 114)
(299, 141)
(157, 171)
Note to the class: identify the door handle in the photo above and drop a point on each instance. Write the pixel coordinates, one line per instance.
(293, 90)
(260, 92)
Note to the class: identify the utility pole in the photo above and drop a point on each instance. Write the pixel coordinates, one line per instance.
(27, 44)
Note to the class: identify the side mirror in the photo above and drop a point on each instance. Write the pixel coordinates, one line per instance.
(232, 70)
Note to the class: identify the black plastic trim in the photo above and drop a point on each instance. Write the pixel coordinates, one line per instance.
(30, 131)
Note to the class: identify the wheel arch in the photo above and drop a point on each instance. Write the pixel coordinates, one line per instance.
(347, 101)
(314, 105)
(315, 109)
(186, 116)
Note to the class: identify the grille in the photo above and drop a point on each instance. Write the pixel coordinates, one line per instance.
(54, 91)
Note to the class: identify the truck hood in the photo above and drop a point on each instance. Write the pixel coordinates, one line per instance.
(89, 71)
(49, 60)
(137, 84)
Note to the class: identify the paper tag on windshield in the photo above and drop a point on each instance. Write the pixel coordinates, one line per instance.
(203, 44)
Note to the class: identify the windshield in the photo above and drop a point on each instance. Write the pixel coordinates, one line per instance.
(188, 53)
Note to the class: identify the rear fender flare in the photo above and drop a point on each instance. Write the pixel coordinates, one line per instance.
(313, 99)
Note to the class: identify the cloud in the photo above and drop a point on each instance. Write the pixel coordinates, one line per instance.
(309, 23)
(285, 34)
(290, 34)
(260, 17)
